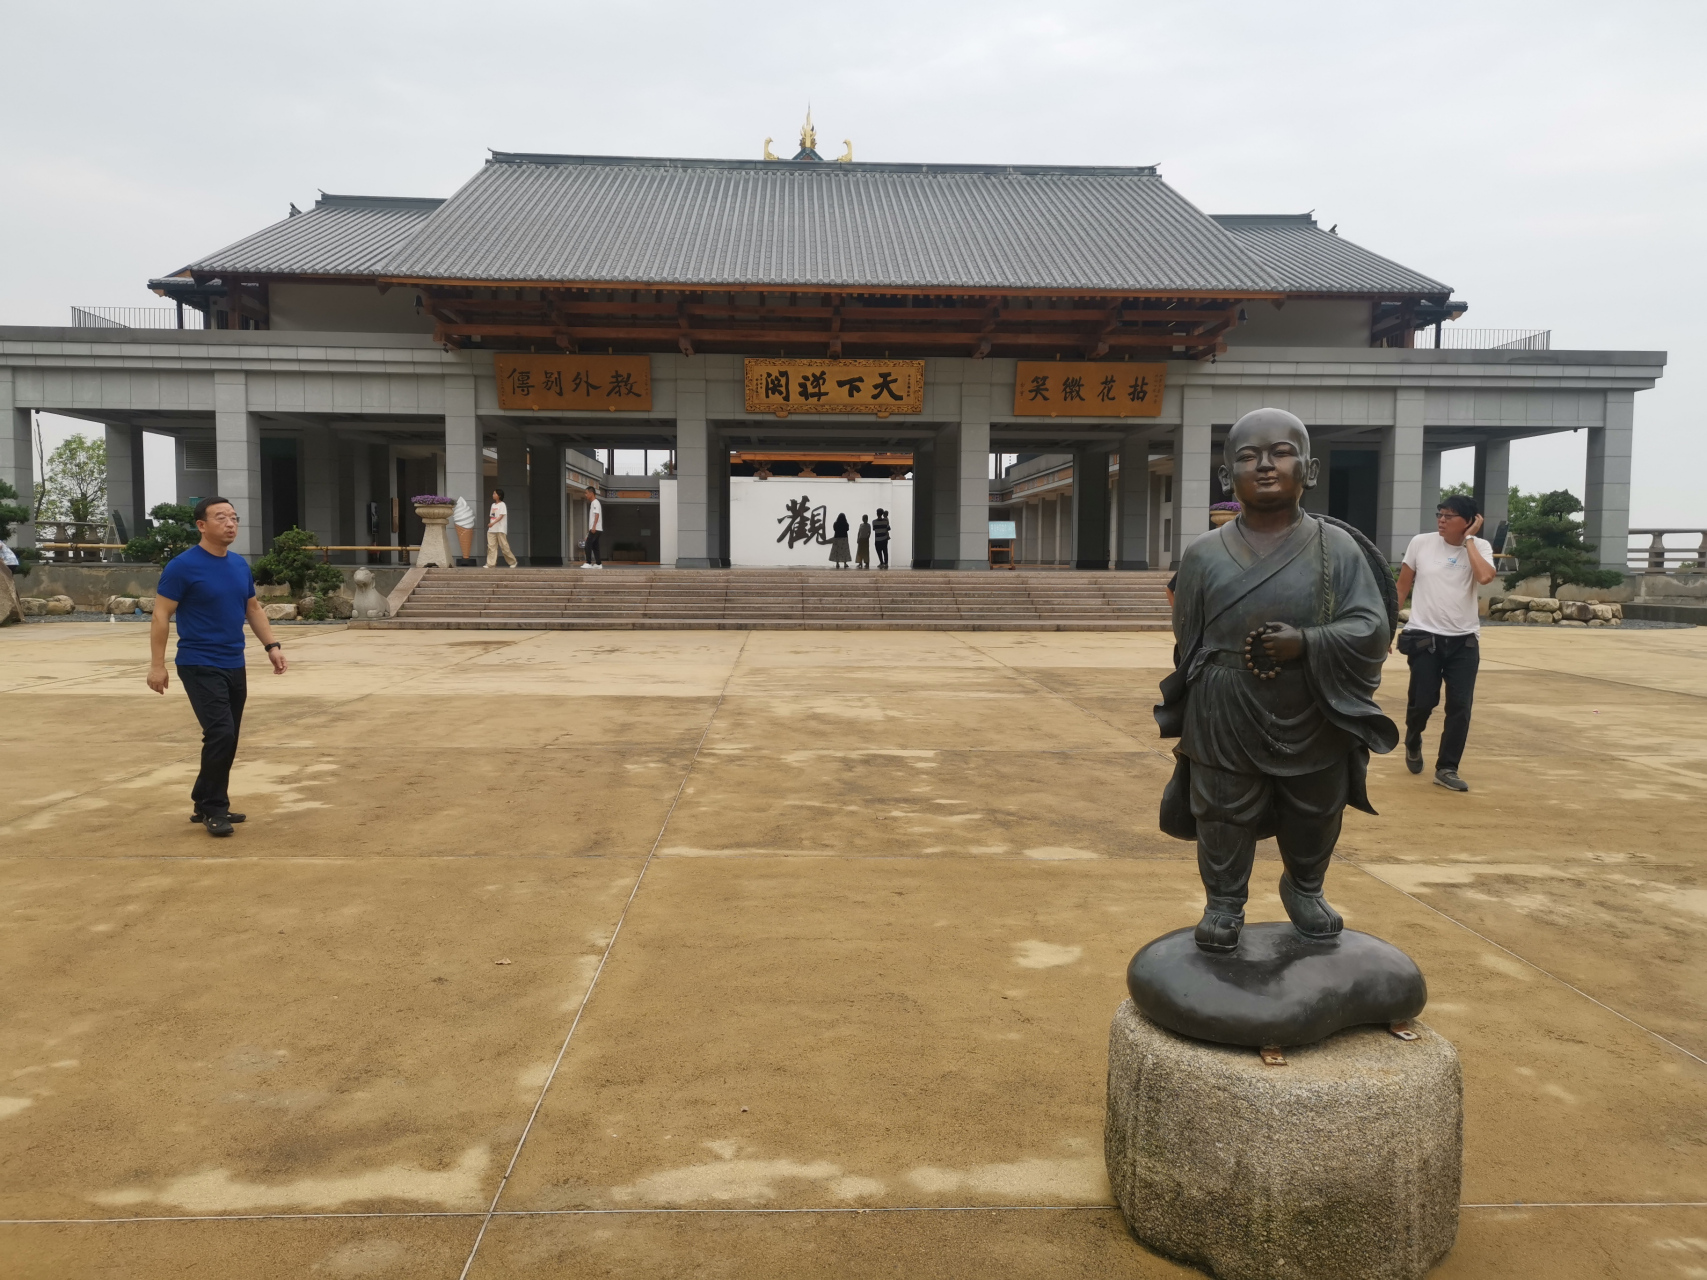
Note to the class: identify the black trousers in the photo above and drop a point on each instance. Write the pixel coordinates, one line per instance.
(593, 556)
(1453, 661)
(217, 695)
(883, 552)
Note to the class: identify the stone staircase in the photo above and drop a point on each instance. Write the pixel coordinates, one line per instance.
(781, 599)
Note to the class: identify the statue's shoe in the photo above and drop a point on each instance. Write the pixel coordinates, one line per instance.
(1310, 913)
(1218, 931)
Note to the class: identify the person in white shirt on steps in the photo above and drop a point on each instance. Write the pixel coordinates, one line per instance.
(595, 527)
(498, 532)
(1441, 638)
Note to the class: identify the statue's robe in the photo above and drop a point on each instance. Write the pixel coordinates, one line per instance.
(1320, 709)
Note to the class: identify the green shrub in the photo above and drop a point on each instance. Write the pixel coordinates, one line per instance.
(290, 563)
(174, 531)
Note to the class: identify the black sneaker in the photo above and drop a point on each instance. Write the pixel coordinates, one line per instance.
(199, 816)
(1414, 757)
(1449, 779)
(218, 824)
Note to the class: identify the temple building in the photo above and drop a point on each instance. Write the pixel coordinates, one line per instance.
(738, 317)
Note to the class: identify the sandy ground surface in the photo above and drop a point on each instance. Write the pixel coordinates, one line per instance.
(774, 954)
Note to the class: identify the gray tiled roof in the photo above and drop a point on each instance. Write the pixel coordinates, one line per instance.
(1305, 259)
(591, 219)
(340, 235)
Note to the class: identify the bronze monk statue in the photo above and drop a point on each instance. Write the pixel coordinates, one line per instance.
(1283, 622)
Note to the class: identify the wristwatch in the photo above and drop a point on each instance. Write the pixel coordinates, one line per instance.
(274, 645)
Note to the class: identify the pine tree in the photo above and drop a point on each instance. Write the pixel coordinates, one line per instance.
(1546, 539)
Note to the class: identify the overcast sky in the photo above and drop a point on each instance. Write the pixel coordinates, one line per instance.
(1546, 159)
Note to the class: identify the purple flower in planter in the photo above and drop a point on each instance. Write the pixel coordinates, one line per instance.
(432, 500)
(1215, 506)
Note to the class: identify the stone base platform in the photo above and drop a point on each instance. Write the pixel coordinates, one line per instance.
(1343, 1163)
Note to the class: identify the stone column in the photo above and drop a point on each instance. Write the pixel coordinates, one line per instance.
(698, 545)
(1493, 484)
(972, 547)
(1398, 512)
(1606, 489)
(945, 500)
(17, 456)
(1090, 509)
(547, 496)
(924, 503)
(1193, 440)
(125, 493)
(513, 480)
(1430, 491)
(319, 484)
(1132, 544)
(237, 446)
(464, 466)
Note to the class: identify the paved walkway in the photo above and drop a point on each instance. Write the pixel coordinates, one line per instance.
(774, 954)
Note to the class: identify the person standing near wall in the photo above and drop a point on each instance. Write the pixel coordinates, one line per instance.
(863, 558)
(839, 554)
(1441, 639)
(595, 527)
(880, 533)
(498, 532)
(212, 594)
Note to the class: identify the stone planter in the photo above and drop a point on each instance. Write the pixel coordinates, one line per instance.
(434, 548)
(1219, 518)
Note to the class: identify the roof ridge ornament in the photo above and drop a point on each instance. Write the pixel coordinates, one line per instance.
(768, 155)
(808, 135)
(847, 156)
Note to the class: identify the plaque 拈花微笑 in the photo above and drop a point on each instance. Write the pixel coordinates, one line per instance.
(1088, 389)
(880, 387)
(574, 382)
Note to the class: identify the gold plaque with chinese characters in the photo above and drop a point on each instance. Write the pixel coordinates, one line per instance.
(577, 383)
(1087, 389)
(882, 387)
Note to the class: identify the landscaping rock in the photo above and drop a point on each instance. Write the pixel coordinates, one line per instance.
(32, 606)
(1520, 615)
(121, 604)
(280, 612)
(59, 606)
(1576, 610)
(146, 604)
(1571, 622)
(1541, 618)
(1544, 604)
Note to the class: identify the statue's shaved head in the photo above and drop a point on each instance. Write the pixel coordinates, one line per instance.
(1268, 425)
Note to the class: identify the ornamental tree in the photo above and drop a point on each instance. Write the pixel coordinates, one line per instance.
(1547, 539)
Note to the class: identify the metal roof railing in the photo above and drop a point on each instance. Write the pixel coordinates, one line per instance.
(136, 318)
(1456, 339)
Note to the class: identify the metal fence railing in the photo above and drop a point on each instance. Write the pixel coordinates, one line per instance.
(136, 318)
(1456, 339)
(1686, 553)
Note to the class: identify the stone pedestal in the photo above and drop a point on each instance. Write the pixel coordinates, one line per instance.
(1343, 1163)
(434, 549)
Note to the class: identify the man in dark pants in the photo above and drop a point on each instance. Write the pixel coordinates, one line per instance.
(1441, 639)
(212, 593)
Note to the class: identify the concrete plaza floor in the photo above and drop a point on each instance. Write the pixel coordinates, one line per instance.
(774, 954)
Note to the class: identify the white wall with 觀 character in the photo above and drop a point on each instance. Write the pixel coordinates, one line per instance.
(758, 514)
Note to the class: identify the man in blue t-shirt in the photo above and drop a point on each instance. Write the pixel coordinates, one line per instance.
(212, 593)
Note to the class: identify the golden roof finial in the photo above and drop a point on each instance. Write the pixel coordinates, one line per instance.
(768, 155)
(847, 156)
(808, 135)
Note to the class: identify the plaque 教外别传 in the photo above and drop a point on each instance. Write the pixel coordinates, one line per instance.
(574, 382)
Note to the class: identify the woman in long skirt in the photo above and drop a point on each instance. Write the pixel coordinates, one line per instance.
(840, 556)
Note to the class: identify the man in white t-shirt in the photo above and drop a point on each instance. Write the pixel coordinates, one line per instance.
(1440, 640)
(498, 532)
(595, 527)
